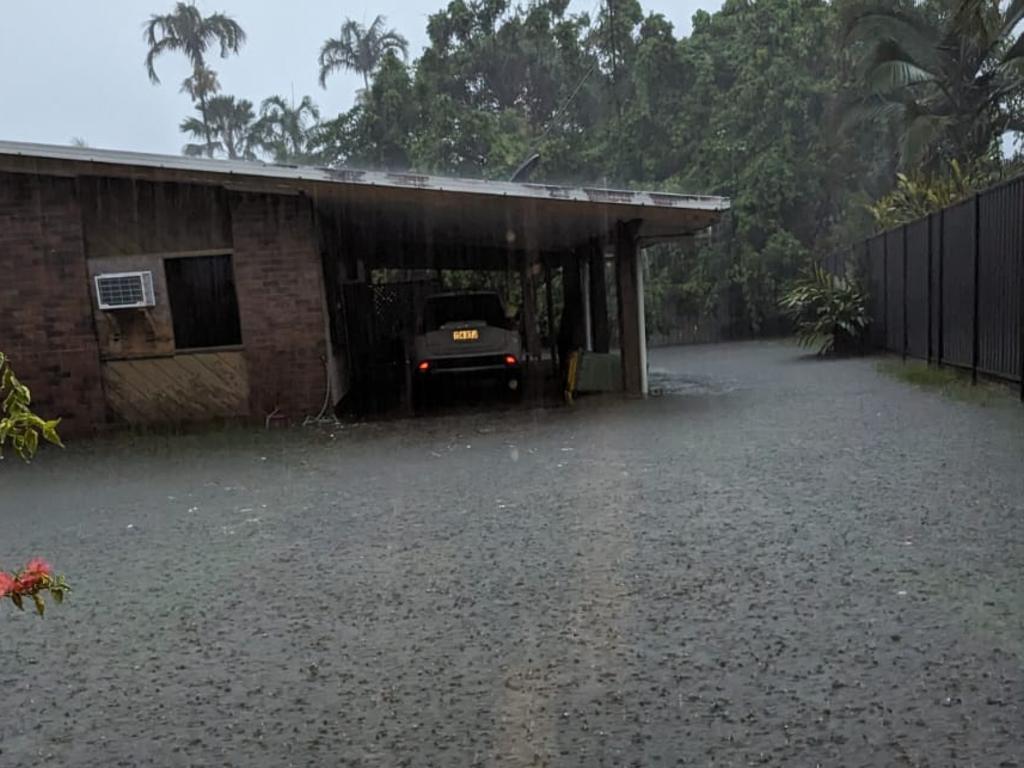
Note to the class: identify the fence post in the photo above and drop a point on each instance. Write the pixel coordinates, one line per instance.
(974, 341)
(885, 292)
(930, 297)
(904, 233)
(941, 351)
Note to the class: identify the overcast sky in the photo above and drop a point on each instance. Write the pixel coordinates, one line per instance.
(74, 68)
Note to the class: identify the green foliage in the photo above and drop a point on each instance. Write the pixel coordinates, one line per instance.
(284, 131)
(920, 194)
(751, 105)
(185, 30)
(32, 582)
(23, 428)
(830, 311)
(360, 49)
(229, 129)
(18, 424)
(946, 73)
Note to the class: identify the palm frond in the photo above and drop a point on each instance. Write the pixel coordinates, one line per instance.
(202, 82)
(193, 126)
(888, 76)
(1013, 54)
(334, 55)
(186, 30)
(226, 31)
(872, 111)
(919, 40)
(360, 49)
(1012, 16)
(393, 41)
(309, 107)
(155, 50)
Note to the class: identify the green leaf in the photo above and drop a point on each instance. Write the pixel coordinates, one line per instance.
(16, 599)
(50, 432)
(889, 76)
(40, 605)
(31, 442)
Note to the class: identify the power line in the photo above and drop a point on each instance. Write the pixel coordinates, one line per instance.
(613, 44)
(575, 91)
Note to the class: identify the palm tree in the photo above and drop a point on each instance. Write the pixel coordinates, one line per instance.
(228, 127)
(185, 30)
(285, 130)
(360, 49)
(947, 79)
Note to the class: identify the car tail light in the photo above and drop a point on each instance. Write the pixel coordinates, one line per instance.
(511, 360)
(424, 366)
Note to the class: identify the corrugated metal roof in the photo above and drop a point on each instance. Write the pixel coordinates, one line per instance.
(254, 170)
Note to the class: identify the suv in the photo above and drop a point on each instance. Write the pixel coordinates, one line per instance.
(468, 335)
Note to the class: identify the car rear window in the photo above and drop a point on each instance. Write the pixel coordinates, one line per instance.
(483, 307)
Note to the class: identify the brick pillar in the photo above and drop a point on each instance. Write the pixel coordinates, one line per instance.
(46, 323)
(279, 279)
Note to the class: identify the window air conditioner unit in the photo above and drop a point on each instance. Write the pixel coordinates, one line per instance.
(125, 290)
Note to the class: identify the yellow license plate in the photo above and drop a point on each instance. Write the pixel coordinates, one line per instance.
(471, 334)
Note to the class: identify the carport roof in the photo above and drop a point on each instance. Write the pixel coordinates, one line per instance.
(396, 211)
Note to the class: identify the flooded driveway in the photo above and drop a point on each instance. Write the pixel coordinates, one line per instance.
(778, 561)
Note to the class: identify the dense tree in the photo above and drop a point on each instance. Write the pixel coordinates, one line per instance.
(948, 72)
(745, 107)
(750, 105)
(229, 129)
(285, 130)
(201, 86)
(360, 49)
(185, 30)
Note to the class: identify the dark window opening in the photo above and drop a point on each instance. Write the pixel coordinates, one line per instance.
(204, 305)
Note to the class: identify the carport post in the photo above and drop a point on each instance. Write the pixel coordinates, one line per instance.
(632, 333)
(598, 294)
(531, 337)
(588, 320)
(549, 299)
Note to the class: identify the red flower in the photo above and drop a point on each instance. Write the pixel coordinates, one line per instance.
(27, 582)
(7, 584)
(38, 567)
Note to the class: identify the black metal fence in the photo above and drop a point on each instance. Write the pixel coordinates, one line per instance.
(949, 288)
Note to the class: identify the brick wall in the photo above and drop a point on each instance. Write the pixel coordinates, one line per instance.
(46, 318)
(279, 280)
(46, 324)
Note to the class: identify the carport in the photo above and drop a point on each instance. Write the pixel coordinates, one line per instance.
(397, 221)
(256, 273)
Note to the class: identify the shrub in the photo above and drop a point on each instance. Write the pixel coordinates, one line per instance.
(830, 311)
(17, 422)
(917, 195)
(31, 582)
(23, 429)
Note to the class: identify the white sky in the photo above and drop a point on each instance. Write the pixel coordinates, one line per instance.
(74, 68)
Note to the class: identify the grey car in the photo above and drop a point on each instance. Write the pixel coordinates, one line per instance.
(468, 335)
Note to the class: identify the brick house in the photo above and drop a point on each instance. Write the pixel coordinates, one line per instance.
(248, 266)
